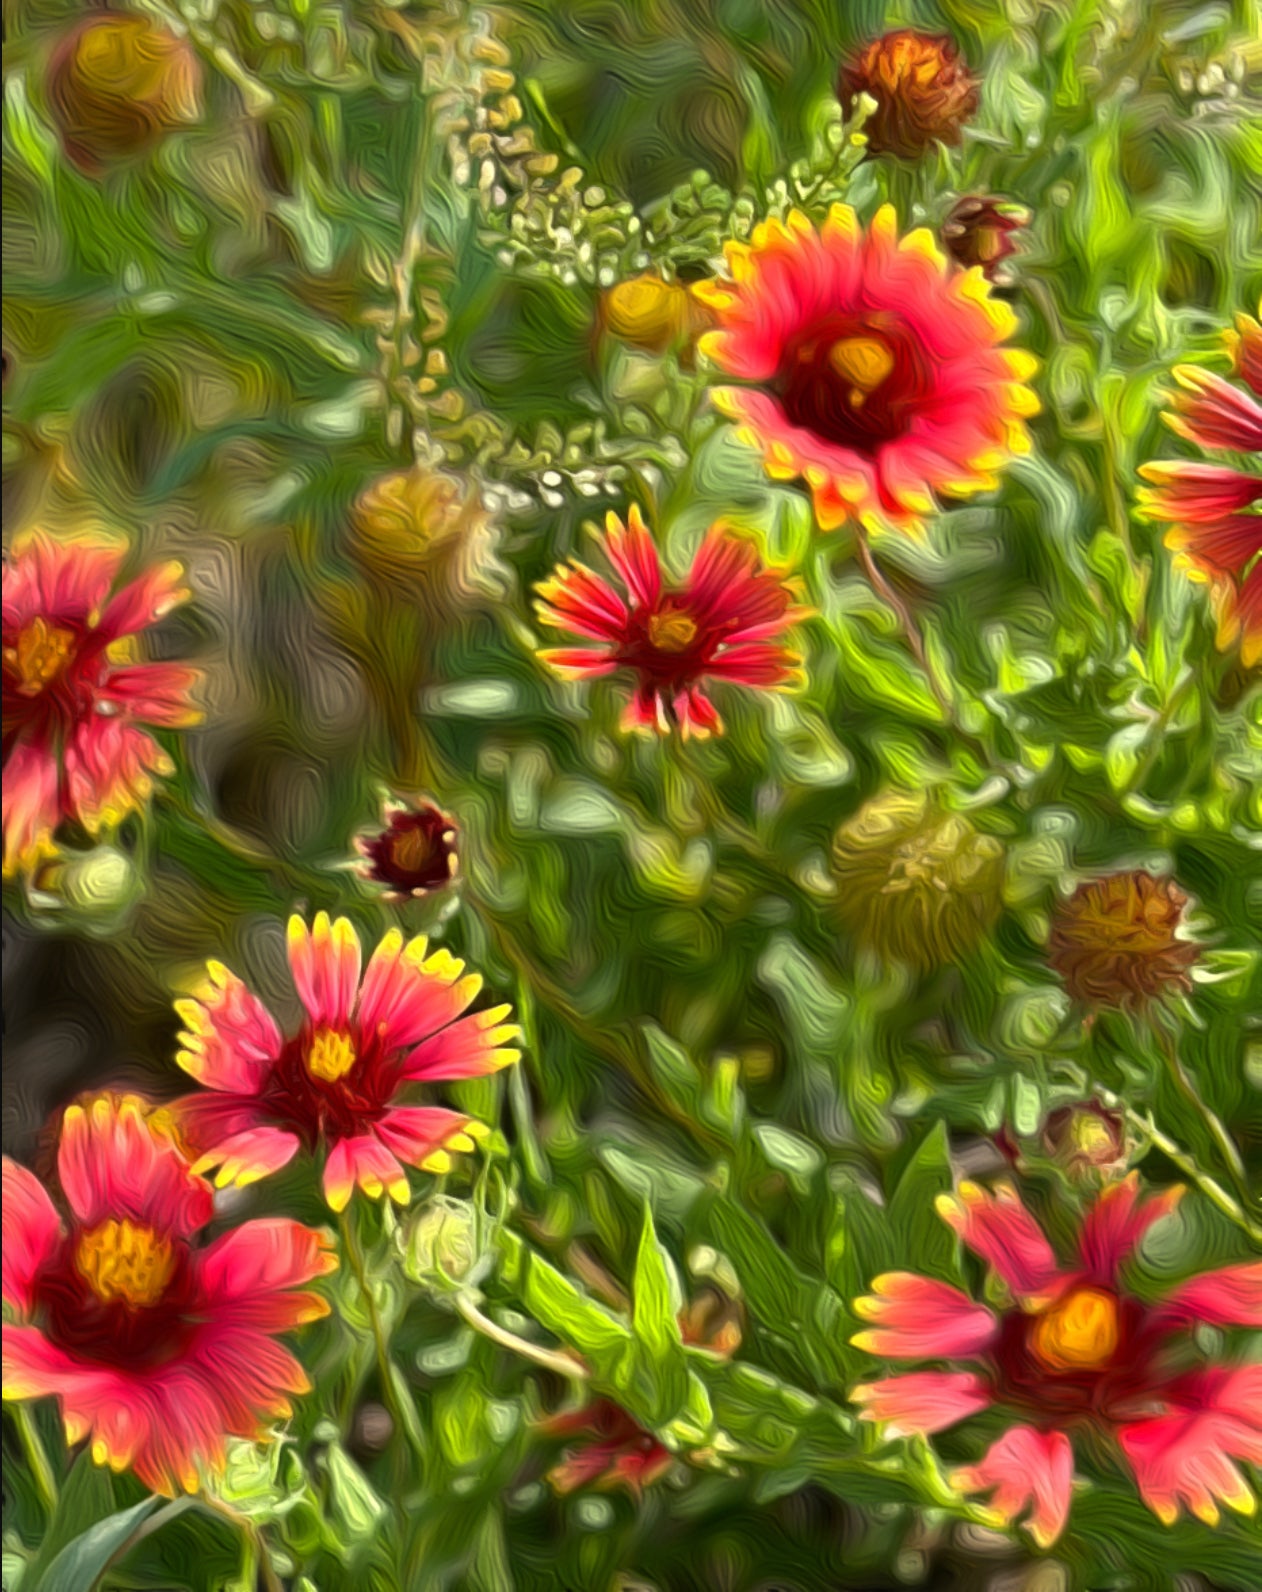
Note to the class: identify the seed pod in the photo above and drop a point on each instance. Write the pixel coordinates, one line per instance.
(923, 90)
(1116, 941)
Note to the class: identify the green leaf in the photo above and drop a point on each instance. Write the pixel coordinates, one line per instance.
(354, 1505)
(80, 1564)
(557, 1304)
(654, 1311)
(919, 1241)
(86, 1496)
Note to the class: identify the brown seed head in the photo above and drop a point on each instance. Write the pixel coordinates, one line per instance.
(979, 232)
(923, 90)
(414, 853)
(1114, 942)
(118, 84)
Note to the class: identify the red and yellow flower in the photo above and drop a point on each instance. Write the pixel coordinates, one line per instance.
(157, 1346)
(722, 623)
(413, 853)
(1215, 510)
(74, 698)
(873, 367)
(1073, 1349)
(342, 1081)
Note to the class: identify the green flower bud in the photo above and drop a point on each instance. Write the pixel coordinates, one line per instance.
(441, 1246)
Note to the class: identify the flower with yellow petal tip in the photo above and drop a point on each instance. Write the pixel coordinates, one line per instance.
(157, 1345)
(870, 366)
(1072, 1350)
(342, 1082)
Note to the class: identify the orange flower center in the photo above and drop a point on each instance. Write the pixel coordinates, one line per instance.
(331, 1056)
(125, 1261)
(41, 653)
(864, 362)
(1078, 1334)
(672, 632)
(411, 849)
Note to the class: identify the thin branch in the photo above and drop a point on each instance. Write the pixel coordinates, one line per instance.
(550, 1360)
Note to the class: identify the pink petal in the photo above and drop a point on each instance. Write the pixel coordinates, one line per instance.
(579, 663)
(244, 1157)
(156, 693)
(407, 994)
(32, 1231)
(108, 768)
(325, 964)
(112, 1165)
(632, 553)
(577, 599)
(144, 601)
(365, 1161)
(1185, 1456)
(32, 809)
(1026, 1467)
(414, 1133)
(1000, 1229)
(696, 715)
(247, 1274)
(58, 580)
(918, 1318)
(756, 663)
(1115, 1224)
(1231, 1297)
(471, 1048)
(923, 1402)
(230, 1040)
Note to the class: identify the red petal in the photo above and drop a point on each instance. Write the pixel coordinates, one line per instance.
(325, 964)
(918, 1318)
(1115, 1224)
(1231, 1297)
(923, 1402)
(112, 1165)
(1026, 1468)
(230, 1039)
(1000, 1229)
(32, 1231)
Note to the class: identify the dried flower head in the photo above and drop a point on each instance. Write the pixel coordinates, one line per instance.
(118, 84)
(413, 853)
(651, 313)
(1116, 941)
(923, 90)
(916, 884)
(1087, 1141)
(979, 231)
(422, 531)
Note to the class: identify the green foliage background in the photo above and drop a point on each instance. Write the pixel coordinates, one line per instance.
(359, 258)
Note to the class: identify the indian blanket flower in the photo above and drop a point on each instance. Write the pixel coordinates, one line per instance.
(1073, 1350)
(413, 853)
(923, 90)
(343, 1080)
(873, 366)
(722, 623)
(978, 231)
(157, 1345)
(1215, 510)
(1118, 941)
(75, 700)
(916, 884)
(117, 84)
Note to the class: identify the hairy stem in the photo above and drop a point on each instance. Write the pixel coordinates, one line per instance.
(549, 1359)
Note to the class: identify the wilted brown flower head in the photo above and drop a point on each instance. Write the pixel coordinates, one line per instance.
(712, 1321)
(117, 84)
(923, 90)
(916, 884)
(650, 313)
(1087, 1141)
(979, 232)
(414, 853)
(1115, 941)
(421, 530)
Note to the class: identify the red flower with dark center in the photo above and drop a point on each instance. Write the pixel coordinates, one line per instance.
(1075, 1350)
(979, 232)
(1215, 510)
(342, 1081)
(156, 1345)
(414, 853)
(873, 366)
(74, 699)
(618, 1453)
(721, 624)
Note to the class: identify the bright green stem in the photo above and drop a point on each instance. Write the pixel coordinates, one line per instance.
(403, 1421)
(36, 1458)
(560, 1364)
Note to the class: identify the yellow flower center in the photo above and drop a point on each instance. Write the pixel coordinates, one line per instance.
(672, 632)
(1078, 1334)
(865, 362)
(124, 1261)
(331, 1056)
(41, 653)
(1091, 1134)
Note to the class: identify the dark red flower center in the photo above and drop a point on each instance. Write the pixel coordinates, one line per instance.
(668, 643)
(119, 1294)
(415, 852)
(853, 380)
(328, 1084)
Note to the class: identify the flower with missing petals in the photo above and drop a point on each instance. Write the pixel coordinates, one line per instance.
(413, 853)
(118, 84)
(342, 1081)
(1072, 1350)
(870, 365)
(723, 623)
(157, 1345)
(978, 231)
(923, 90)
(75, 699)
(1087, 1141)
(914, 883)
(1215, 510)
(1117, 941)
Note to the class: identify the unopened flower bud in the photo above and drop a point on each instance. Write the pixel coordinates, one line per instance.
(923, 91)
(118, 84)
(980, 232)
(650, 313)
(413, 853)
(423, 534)
(1087, 1141)
(442, 1244)
(96, 887)
(1117, 941)
(916, 884)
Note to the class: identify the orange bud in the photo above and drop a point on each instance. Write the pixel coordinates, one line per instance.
(923, 90)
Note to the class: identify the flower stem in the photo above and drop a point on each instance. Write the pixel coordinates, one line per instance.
(1217, 1127)
(404, 1420)
(36, 1457)
(561, 1364)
